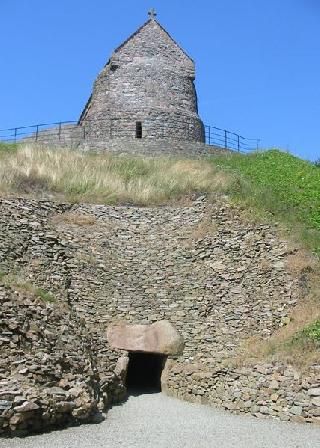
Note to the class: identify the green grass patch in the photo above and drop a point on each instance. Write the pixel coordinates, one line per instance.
(280, 185)
(8, 147)
(17, 282)
(44, 295)
(304, 342)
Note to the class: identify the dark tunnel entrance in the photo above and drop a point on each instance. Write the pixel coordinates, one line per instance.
(144, 372)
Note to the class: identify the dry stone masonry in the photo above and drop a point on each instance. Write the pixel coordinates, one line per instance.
(265, 390)
(49, 367)
(53, 370)
(216, 277)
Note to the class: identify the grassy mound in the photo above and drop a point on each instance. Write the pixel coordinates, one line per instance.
(281, 185)
(271, 185)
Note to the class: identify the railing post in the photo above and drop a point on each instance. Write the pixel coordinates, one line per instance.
(37, 132)
(238, 138)
(225, 139)
(209, 133)
(59, 132)
(15, 134)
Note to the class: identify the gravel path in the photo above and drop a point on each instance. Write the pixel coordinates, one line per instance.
(157, 421)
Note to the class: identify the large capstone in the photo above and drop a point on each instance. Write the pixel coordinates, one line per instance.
(160, 337)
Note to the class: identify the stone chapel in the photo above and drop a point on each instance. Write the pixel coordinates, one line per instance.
(145, 91)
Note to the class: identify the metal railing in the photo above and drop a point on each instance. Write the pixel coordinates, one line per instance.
(230, 140)
(70, 132)
(34, 131)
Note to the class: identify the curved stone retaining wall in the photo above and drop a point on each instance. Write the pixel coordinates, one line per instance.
(74, 137)
(215, 276)
(264, 390)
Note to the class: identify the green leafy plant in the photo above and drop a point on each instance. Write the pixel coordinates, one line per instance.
(312, 331)
(45, 296)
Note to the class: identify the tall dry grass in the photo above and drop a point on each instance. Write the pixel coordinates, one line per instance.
(105, 178)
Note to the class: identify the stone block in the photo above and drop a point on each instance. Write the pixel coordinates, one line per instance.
(160, 337)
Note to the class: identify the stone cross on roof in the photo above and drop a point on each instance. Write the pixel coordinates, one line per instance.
(152, 13)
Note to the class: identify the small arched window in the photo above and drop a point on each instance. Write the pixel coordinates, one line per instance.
(138, 129)
(113, 67)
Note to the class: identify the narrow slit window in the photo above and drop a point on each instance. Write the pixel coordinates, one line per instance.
(138, 129)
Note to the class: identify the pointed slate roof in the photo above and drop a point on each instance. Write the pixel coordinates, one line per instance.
(142, 27)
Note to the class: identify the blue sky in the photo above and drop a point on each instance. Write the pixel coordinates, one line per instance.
(257, 61)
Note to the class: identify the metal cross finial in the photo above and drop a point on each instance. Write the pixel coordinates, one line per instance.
(152, 13)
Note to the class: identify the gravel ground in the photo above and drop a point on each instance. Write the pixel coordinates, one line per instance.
(157, 421)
